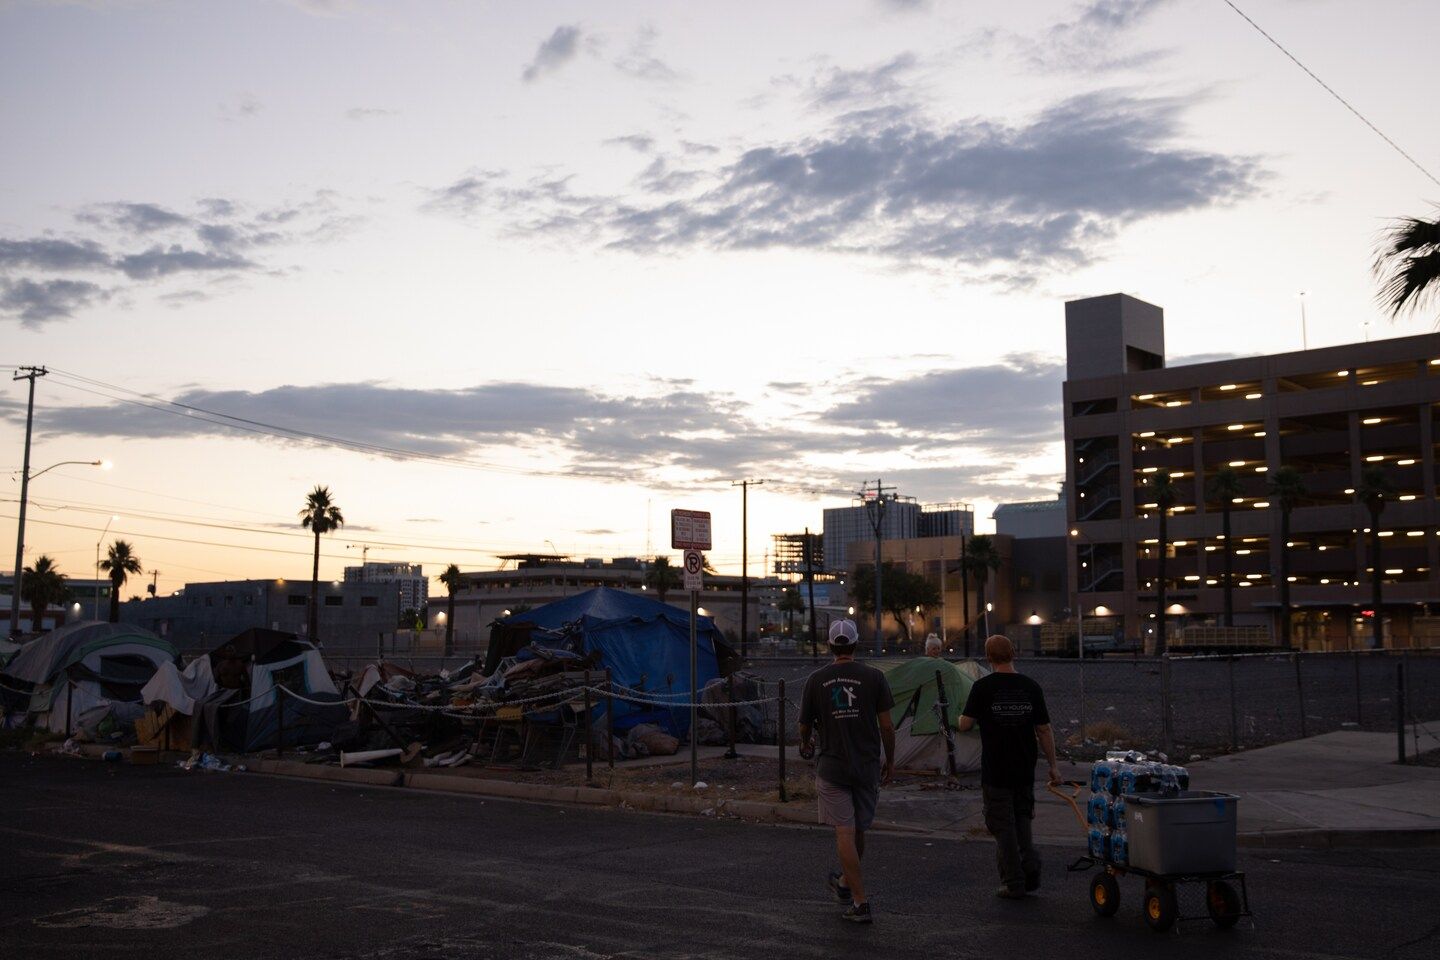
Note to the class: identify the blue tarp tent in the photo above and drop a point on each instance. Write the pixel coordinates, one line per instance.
(644, 643)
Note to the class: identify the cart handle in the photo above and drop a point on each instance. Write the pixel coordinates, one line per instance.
(1070, 798)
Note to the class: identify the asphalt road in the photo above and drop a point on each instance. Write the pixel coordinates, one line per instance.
(102, 860)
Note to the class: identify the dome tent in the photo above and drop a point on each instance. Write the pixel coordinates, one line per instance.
(920, 743)
(271, 658)
(86, 670)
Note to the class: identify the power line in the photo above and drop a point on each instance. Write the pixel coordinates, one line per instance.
(1330, 90)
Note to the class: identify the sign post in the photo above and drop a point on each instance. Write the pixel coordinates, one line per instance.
(690, 531)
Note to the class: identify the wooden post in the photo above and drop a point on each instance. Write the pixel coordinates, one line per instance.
(780, 740)
(1234, 713)
(1300, 694)
(609, 720)
(945, 722)
(731, 753)
(589, 735)
(280, 722)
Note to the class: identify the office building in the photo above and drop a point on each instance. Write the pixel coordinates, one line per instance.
(89, 600)
(408, 578)
(1328, 412)
(1037, 545)
(849, 532)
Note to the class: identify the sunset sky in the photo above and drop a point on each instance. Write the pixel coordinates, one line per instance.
(552, 269)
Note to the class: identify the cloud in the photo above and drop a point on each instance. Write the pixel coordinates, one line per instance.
(865, 85)
(905, 6)
(599, 532)
(639, 142)
(553, 53)
(147, 242)
(640, 61)
(163, 261)
(44, 253)
(36, 302)
(369, 113)
(944, 428)
(1010, 201)
(1092, 42)
(243, 107)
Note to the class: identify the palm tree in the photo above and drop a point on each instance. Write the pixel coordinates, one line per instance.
(120, 561)
(453, 581)
(42, 586)
(1286, 489)
(1374, 489)
(980, 560)
(319, 515)
(1225, 487)
(661, 577)
(1408, 264)
(790, 604)
(1163, 493)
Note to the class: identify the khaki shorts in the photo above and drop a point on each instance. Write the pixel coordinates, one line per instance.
(847, 806)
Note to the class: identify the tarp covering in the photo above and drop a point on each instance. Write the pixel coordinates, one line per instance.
(919, 742)
(644, 643)
(286, 660)
(180, 689)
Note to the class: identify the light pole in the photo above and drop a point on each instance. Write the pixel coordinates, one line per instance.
(25, 477)
(95, 612)
(1076, 535)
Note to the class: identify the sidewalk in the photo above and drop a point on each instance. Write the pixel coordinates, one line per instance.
(1339, 789)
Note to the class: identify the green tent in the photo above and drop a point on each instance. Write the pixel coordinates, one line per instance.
(919, 742)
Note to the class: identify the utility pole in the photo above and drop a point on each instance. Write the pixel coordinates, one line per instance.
(875, 508)
(31, 374)
(745, 486)
(810, 586)
(154, 582)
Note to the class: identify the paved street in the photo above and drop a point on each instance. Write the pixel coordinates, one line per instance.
(105, 860)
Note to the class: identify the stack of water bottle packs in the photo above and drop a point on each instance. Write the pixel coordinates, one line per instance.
(1120, 776)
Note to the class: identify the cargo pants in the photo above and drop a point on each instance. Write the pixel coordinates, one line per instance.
(1008, 816)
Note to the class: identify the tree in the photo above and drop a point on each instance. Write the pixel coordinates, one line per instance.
(453, 581)
(790, 604)
(662, 577)
(1407, 264)
(320, 515)
(120, 561)
(980, 560)
(1375, 488)
(1286, 489)
(1163, 494)
(903, 592)
(42, 586)
(1224, 487)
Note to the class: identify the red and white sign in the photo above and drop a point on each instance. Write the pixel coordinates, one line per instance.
(690, 529)
(694, 570)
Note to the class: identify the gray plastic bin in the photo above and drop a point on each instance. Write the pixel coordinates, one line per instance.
(1193, 832)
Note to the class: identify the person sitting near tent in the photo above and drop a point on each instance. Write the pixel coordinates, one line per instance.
(231, 671)
(933, 646)
(849, 705)
(1010, 710)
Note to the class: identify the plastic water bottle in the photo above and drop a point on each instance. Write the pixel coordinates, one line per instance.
(1104, 775)
(1117, 814)
(1169, 781)
(1098, 810)
(1129, 775)
(1119, 847)
(1182, 776)
(1099, 843)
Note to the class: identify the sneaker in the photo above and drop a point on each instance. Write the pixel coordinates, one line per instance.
(857, 913)
(1032, 882)
(836, 883)
(1010, 893)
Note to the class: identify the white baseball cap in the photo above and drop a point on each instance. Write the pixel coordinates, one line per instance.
(843, 633)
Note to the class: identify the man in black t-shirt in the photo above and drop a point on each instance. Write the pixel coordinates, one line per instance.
(849, 703)
(1010, 711)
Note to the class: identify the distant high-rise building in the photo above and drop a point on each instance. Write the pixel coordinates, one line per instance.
(904, 519)
(408, 577)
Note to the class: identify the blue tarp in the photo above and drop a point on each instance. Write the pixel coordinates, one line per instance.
(644, 643)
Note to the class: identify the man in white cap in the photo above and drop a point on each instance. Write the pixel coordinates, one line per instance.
(848, 704)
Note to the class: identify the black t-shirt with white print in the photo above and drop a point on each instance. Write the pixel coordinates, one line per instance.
(1007, 707)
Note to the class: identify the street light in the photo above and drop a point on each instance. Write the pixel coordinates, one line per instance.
(95, 613)
(25, 477)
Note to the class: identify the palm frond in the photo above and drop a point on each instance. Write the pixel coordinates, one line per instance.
(1407, 264)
